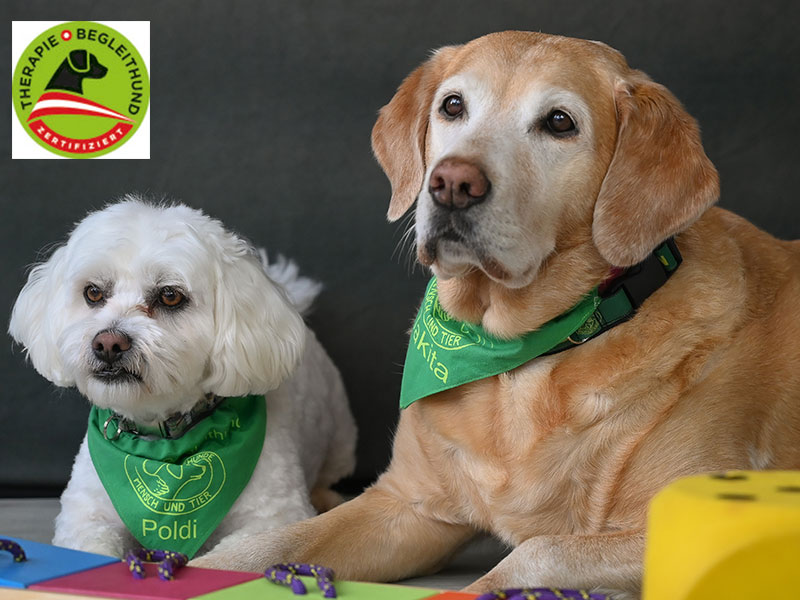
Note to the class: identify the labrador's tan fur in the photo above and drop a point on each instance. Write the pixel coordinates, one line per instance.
(560, 457)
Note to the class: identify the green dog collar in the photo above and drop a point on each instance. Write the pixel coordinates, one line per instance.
(172, 428)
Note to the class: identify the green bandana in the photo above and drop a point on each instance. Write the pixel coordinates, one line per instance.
(172, 493)
(444, 353)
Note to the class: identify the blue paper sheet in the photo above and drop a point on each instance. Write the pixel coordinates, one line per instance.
(45, 562)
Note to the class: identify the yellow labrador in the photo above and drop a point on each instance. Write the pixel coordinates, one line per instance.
(542, 167)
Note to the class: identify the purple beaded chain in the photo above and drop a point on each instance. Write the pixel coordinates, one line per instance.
(541, 594)
(287, 574)
(168, 562)
(15, 549)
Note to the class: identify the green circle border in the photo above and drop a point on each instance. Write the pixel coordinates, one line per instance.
(52, 58)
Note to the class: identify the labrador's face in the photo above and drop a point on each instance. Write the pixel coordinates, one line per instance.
(519, 145)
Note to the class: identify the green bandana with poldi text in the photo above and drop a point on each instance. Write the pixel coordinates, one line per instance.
(172, 493)
(444, 353)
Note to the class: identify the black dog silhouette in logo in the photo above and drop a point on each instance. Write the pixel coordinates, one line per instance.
(78, 65)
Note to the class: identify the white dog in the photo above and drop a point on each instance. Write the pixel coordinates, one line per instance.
(156, 313)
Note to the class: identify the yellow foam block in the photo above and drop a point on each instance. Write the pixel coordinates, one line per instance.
(725, 535)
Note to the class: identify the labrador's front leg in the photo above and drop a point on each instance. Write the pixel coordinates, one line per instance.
(377, 536)
(610, 562)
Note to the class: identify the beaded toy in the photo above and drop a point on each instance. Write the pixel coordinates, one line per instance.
(287, 574)
(168, 562)
(14, 548)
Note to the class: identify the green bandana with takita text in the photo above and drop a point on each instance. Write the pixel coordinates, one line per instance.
(173, 493)
(444, 353)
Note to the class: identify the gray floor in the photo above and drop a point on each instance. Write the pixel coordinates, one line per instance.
(32, 519)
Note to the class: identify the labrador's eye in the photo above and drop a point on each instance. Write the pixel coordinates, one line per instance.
(453, 106)
(559, 122)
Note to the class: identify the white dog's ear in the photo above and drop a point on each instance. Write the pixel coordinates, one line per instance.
(398, 137)
(260, 336)
(660, 179)
(38, 318)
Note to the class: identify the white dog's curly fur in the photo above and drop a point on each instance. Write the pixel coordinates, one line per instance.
(238, 331)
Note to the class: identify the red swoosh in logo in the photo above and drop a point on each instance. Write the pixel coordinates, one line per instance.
(60, 103)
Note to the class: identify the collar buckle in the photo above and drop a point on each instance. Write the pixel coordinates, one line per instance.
(641, 280)
(116, 418)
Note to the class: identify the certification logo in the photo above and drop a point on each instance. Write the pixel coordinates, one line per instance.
(81, 89)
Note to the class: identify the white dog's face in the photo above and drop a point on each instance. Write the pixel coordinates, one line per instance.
(147, 309)
(138, 320)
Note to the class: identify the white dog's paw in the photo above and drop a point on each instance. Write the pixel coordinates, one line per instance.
(110, 545)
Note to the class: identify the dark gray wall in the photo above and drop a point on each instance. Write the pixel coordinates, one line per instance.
(261, 115)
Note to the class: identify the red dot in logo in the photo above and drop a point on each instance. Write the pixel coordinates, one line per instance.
(66, 35)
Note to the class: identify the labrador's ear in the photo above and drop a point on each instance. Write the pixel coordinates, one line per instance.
(659, 180)
(398, 137)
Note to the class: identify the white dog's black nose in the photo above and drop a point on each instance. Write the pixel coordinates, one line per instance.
(110, 345)
(457, 183)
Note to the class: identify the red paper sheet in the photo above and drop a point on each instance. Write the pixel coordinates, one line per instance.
(116, 581)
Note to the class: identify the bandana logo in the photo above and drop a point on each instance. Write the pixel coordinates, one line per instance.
(171, 489)
(81, 90)
(444, 353)
(434, 328)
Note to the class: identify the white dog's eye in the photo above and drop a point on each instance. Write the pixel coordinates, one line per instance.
(93, 295)
(452, 106)
(170, 297)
